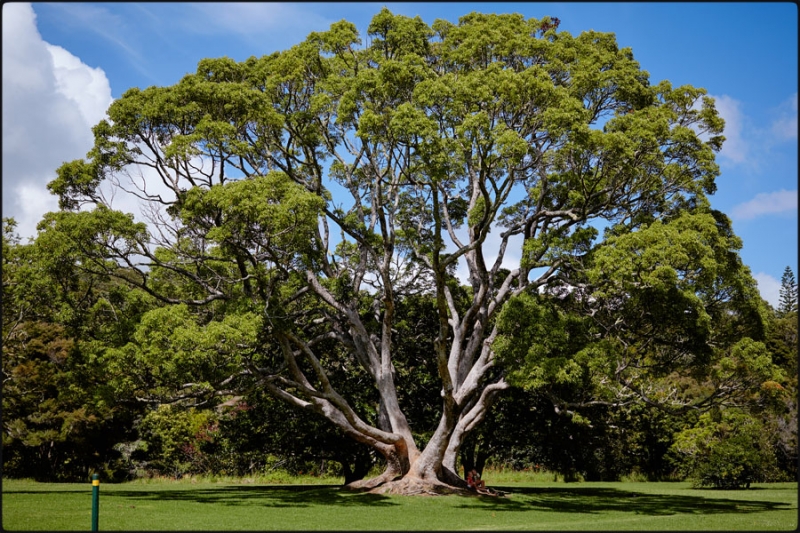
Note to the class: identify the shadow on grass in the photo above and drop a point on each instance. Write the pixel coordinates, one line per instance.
(584, 500)
(589, 500)
(269, 496)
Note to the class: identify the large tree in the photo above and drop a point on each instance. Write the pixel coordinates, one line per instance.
(296, 198)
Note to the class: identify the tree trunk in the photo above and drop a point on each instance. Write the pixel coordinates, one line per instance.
(397, 466)
(425, 474)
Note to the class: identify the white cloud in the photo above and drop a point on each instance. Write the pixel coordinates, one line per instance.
(86, 87)
(784, 127)
(769, 287)
(50, 102)
(735, 148)
(770, 203)
(750, 142)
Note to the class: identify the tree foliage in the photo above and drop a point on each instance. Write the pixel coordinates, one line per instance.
(666, 314)
(726, 450)
(61, 416)
(788, 293)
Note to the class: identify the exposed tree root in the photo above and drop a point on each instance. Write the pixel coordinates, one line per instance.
(372, 483)
(413, 486)
(390, 482)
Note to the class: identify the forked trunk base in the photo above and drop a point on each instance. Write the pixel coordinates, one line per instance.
(415, 486)
(410, 485)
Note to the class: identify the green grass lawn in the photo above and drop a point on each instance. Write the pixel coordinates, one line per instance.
(541, 505)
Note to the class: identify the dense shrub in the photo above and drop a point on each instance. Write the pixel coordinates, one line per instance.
(727, 449)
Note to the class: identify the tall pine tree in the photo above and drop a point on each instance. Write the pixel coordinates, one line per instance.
(788, 302)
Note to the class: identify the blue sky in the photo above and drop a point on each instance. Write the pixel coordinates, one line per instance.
(63, 63)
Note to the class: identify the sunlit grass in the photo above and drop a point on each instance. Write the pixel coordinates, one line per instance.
(194, 504)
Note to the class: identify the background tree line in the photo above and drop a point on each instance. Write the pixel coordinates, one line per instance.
(69, 409)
